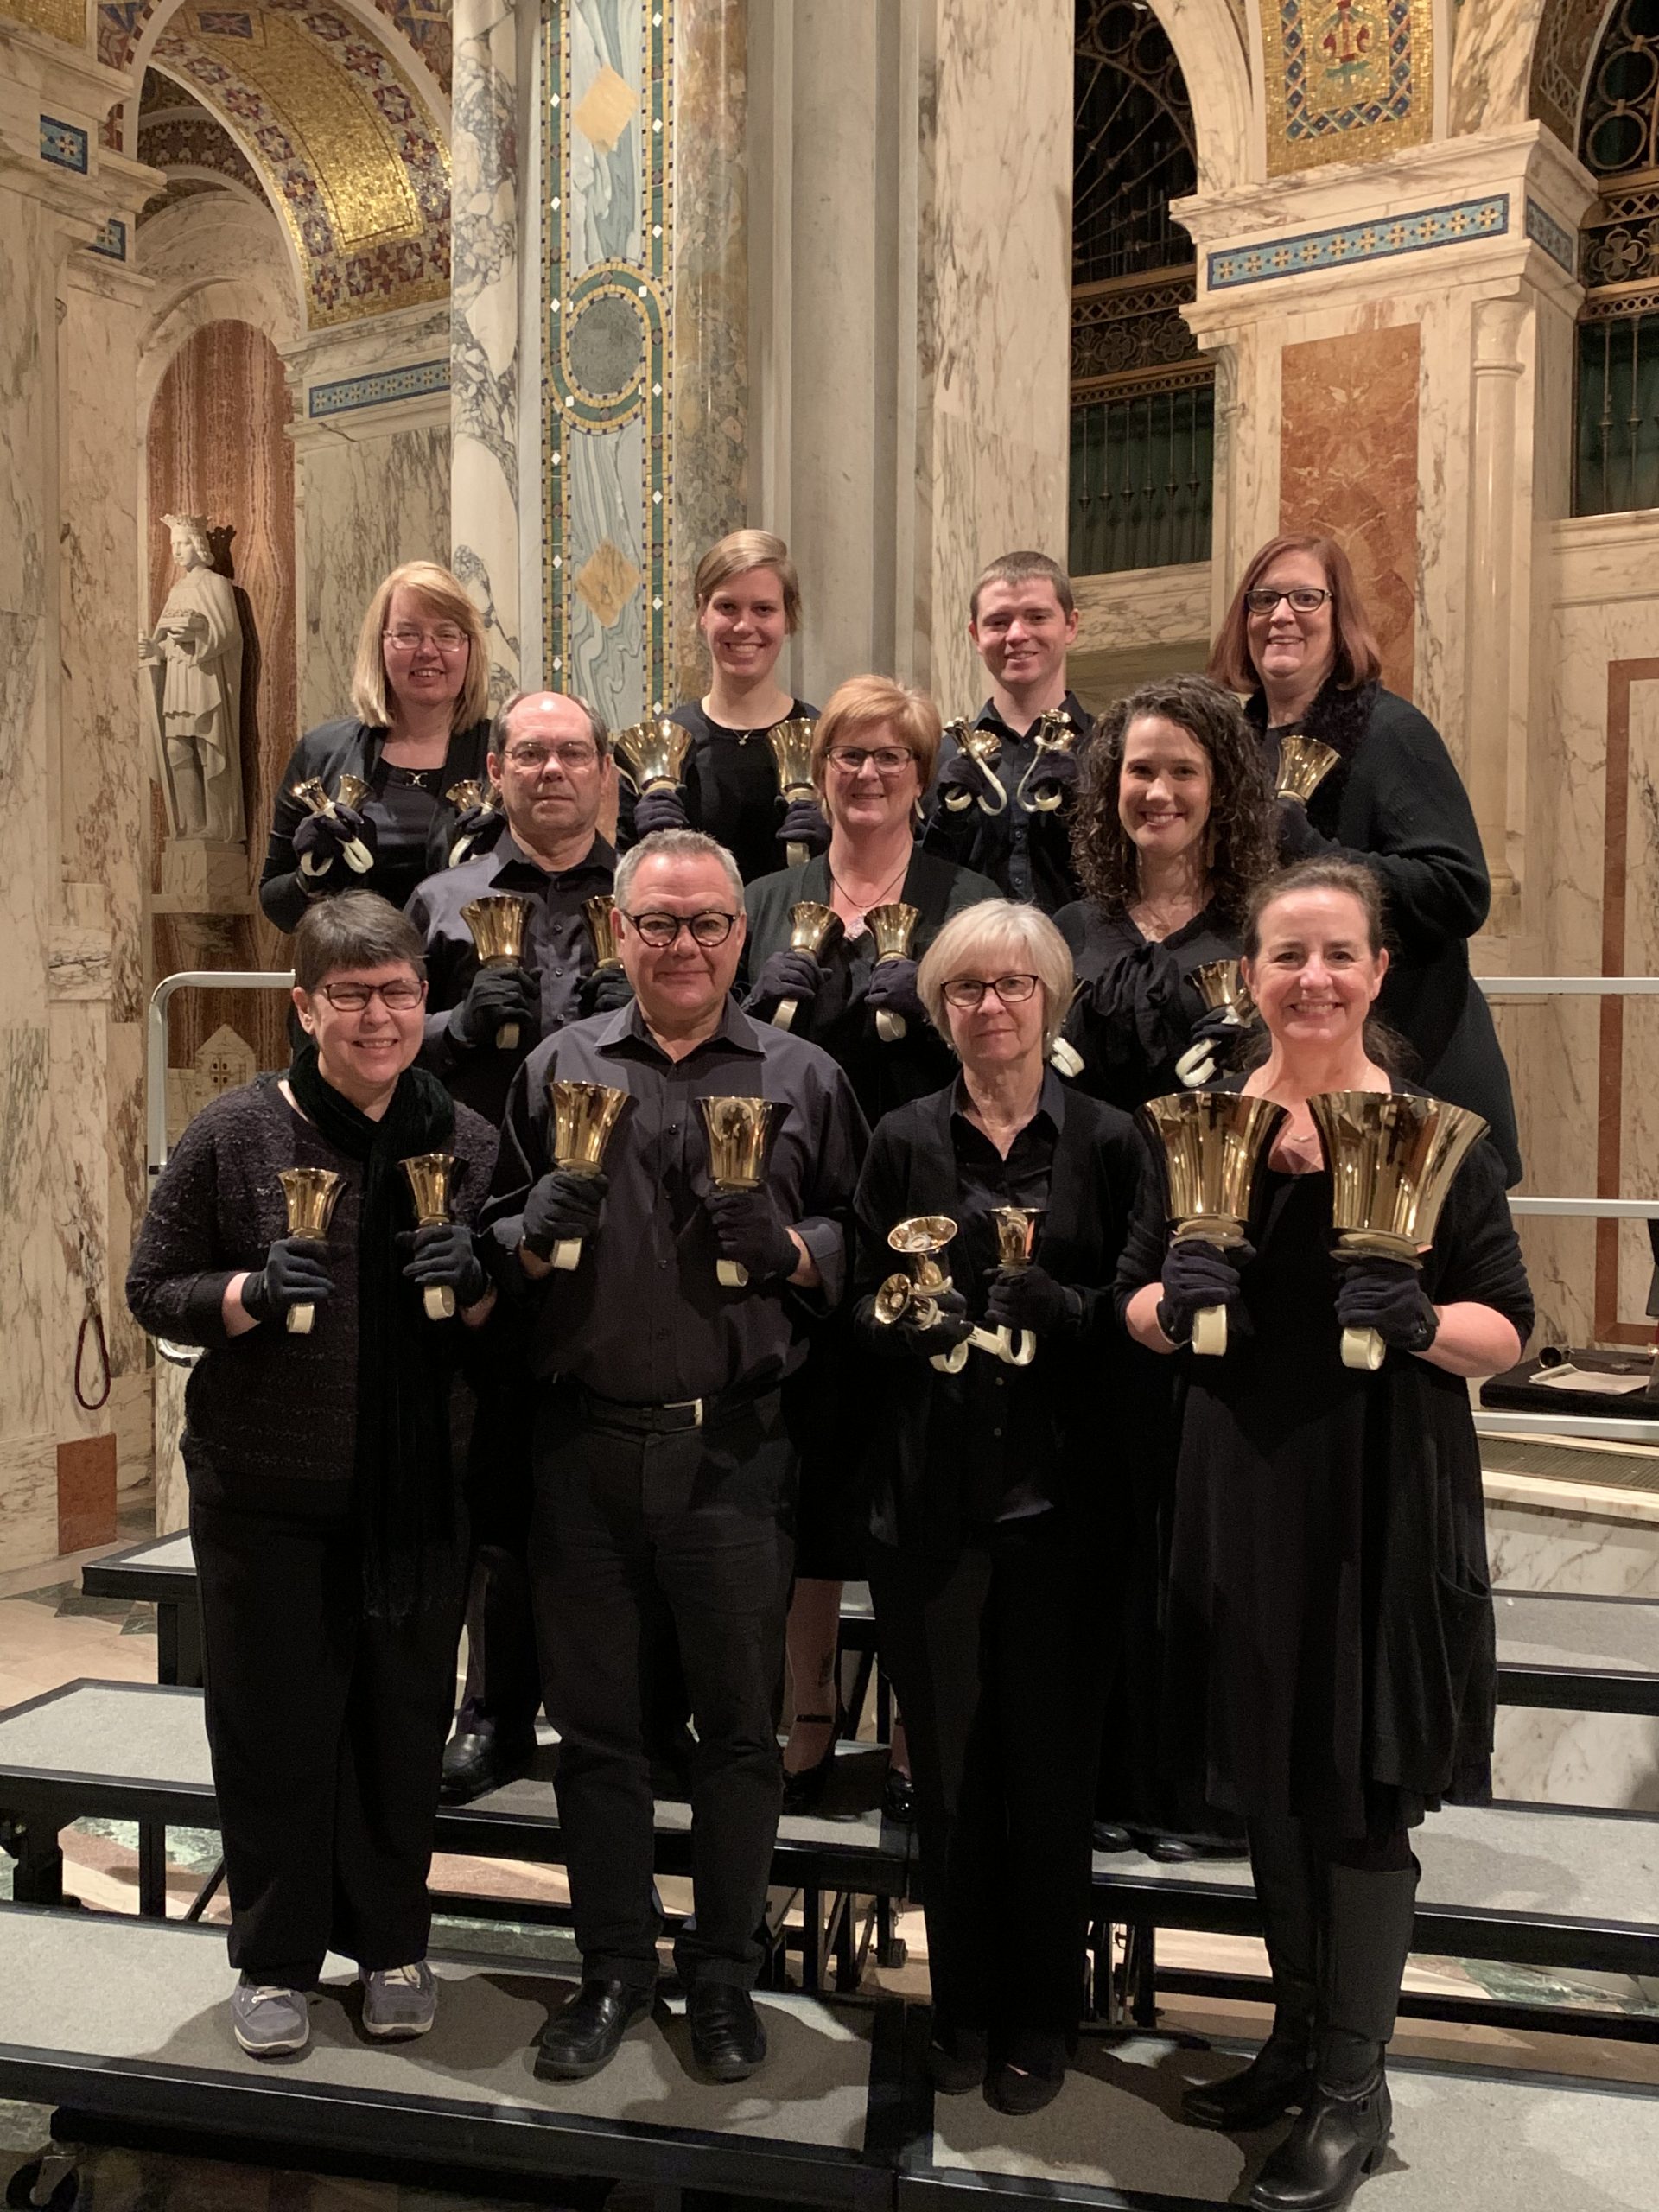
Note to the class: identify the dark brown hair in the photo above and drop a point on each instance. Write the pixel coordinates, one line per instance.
(1023, 568)
(1358, 660)
(1241, 829)
(1385, 1046)
(357, 928)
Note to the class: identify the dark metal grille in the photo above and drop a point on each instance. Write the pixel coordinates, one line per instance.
(1133, 149)
(1142, 461)
(1616, 463)
(1616, 455)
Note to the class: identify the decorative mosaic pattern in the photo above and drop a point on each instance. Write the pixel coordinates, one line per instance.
(424, 23)
(379, 390)
(196, 142)
(64, 19)
(179, 188)
(63, 144)
(1454, 225)
(1559, 59)
(1556, 240)
(111, 239)
(1346, 80)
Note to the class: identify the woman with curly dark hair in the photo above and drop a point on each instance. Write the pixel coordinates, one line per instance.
(1174, 826)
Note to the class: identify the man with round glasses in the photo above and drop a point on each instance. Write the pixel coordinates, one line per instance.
(664, 1476)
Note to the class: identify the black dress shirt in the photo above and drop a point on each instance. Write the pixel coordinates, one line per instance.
(730, 791)
(558, 954)
(644, 1318)
(1130, 1043)
(1027, 853)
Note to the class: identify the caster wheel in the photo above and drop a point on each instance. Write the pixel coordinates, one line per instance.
(893, 1953)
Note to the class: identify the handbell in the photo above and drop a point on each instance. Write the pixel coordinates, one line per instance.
(893, 926)
(497, 924)
(654, 754)
(984, 746)
(1055, 732)
(1393, 1158)
(351, 791)
(1219, 984)
(429, 1175)
(470, 796)
(311, 1194)
(921, 1240)
(1017, 1230)
(311, 794)
(1214, 1143)
(791, 748)
(1304, 764)
(584, 1115)
(812, 925)
(601, 911)
(738, 1128)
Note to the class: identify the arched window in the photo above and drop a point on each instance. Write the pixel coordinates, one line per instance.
(1143, 396)
(1616, 463)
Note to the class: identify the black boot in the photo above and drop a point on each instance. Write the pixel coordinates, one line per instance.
(1280, 2074)
(1338, 2137)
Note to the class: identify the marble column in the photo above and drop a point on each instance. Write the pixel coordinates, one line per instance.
(1494, 704)
(484, 350)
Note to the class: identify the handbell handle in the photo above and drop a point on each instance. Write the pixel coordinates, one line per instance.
(889, 1028)
(300, 1318)
(797, 854)
(951, 1361)
(1210, 1332)
(784, 1018)
(732, 1275)
(506, 1036)
(1362, 1349)
(566, 1255)
(439, 1301)
(1016, 1347)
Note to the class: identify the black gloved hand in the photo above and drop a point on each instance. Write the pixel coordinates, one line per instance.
(661, 809)
(1387, 1295)
(1214, 1035)
(322, 838)
(803, 824)
(495, 996)
(1297, 839)
(782, 976)
(749, 1229)
(562, 1206)
(962, 773)
(1029, 1298)
(943, 1335)
(1053, 771)
(892, 990)
(295, 1272)
(607, 991)
(480, 827)
(444, 1254)
(1197, 1277)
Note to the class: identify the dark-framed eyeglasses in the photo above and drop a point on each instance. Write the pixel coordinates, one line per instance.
(1302, 599)
(966, 994)
(887, 761)
(709, 929)
(402, 996)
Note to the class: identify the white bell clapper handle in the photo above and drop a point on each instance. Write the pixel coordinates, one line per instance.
(1362, 1349)
(784, 1012)
(1209, 1331)
(732, 1275)
(951, 1361)
(300, 1319)
(889, 1028)
(439, 1301)
(506, 1036)
(1196, 1066)
(566, 1255)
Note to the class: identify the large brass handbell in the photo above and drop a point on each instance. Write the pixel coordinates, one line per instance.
(430, 1176)
(310, 1194)
(1221, 986)
(1017, 1230)
(1056, 731)
(469, 797)
(812, 925)
(584, 1115)
(921, 1240)
(497, 924)
(1392, 1158)
(654, 754)
(791, 748)
(983, 746)
(1213, 1144)
(738, 1128)
(601, 911)
(311, 794)
(893, 926)
(1304, 764)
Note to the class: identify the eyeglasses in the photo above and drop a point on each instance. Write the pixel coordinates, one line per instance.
(660, 930)
(536, 757)
(967, 993)
(1304, 598)
(446, 638)
(352, 998)
(886, 760)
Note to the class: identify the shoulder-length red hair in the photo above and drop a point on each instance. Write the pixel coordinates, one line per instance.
(1358, 660)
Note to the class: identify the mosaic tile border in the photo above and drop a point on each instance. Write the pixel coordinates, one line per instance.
(1343, 246)
(111, 239)
(64, 144)
(1316, 53)
(1558, 242)
(379, 388)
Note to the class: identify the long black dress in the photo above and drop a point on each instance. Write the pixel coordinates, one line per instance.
(1134, 1016)
(1329, 1618)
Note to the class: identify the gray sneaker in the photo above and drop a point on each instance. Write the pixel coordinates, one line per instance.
(399, 2001)
(268, 2022)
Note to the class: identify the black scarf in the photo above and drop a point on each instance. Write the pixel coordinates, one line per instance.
(1338, 718)
(404, 1485)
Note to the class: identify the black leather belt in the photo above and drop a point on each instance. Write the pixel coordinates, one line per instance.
(677, 1416)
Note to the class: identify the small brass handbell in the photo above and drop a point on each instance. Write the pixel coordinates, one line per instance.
(584, 1116)
(654, 754)
(601, 911)
(791, 748)
(812, 925)
(985, 746)
(1017, 1230)
(469, 797)
(920, 1240)
(313, 795)
(429, 1175)
(1393, 1158)
(497, 924)
(738, 1128)
(1055, 732)
(1219, 984)
(1213, 1143)
(351, 791)
(1304, 764)
(893, 926)
(310, 1194)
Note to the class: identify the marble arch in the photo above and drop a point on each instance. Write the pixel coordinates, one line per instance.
(417, 31)
(1205, 35)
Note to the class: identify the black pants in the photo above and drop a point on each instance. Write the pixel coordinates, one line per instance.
(326, 1732)
(998, 1660)
(627, 1525)
(504, 1684)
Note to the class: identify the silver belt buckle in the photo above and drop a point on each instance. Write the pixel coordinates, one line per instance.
(681, 1405)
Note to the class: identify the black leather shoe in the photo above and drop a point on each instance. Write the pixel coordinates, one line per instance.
(1339, 2137)
(1108, 1836)
(956, 2059)
(1278, 2077)
(728, 2039)
(898, 1797)
(585, 2035)
(1007, 2090)
(802, 1791)
(480, 1759)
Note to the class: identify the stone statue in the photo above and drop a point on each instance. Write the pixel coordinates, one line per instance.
(193, 692)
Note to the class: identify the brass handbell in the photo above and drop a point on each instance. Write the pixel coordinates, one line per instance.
(654, 754)
(1055, 732)
(311, 1194)
(1304, 764)
(1221, 986)
(1214, 1143)
(311, 794)
(893, 926)
(1017, 1230)
(1392, 1157)
(791, 748)
(921, 1240)
(497, 924)
(468, 797)
(351, 791)
(584, 1115)
(738, 1128)
(429, 1175)
(601, 911)
(985, 746)
(812, 925)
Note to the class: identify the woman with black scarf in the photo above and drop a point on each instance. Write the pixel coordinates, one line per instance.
(322, 1471)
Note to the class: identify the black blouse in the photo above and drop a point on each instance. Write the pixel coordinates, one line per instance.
(1135, 1015)
(730, 789)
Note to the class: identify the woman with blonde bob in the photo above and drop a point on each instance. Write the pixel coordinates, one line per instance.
(987, 1505)
(420, 725)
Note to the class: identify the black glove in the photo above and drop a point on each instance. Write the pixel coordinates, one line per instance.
(784, 976)
(562, 1206)
(295, 1272)
(607, 990)
(1053, 771)
(661, 809)
(1387, 1295)
(944, 1335)
(803, 824)
(1199, 1275)
(962, 773)
(892, 990)
(495, 996)
(749, 1229)
(1297, 839)
(1210, 1047)
(444, 1254)
(1029, 1298)
(481, 826)
(323, 837)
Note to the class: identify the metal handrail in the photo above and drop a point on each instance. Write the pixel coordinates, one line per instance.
(1588, 987)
